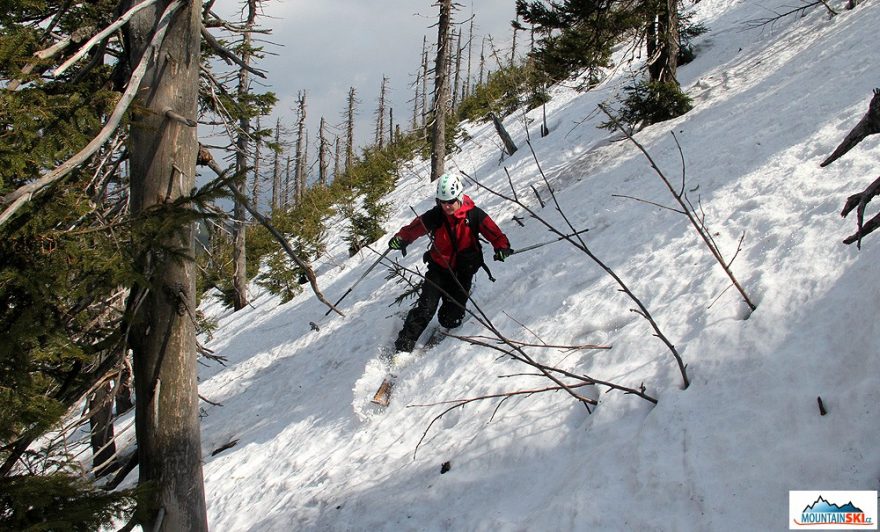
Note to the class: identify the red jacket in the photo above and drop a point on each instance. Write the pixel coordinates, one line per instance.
(453, 235)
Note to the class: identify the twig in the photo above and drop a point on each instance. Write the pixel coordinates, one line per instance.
(648, 202)
(506, 395)
(582, 347)
(227, 55)
(118, 23)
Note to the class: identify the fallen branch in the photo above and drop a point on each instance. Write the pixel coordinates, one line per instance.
(506, 395)
(546, 346)
(686, 207)
(860, 202)
(868, 125)
(582, 246)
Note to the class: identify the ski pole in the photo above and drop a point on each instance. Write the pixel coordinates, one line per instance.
(361, 278)
(535, 246)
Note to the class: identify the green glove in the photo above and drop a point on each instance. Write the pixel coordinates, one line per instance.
(398, 243)
(502, 253)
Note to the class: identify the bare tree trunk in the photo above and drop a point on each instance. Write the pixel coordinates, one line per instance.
(663, 43)
(101, 429)
(162, 160)
(336, 159)
(466, 88)
(390, 126)
(424, 83)
(239, 226)
(513, 44)
(276, 173)
(303, 182)
(482, 61)
(349, 129)
(285, 202)
(441, 92)
(457, 79)
(258, 144)
(415, 113)
(380, 114)
(322, 155)
(509, 145)
(300, 166)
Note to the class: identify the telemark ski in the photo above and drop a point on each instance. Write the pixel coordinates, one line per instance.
(382, 397)
(383, 394)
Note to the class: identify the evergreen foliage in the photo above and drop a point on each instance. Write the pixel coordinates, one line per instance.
(650, 102)
(577, 35)
(59, 502)
(65, 262)
(504, 91)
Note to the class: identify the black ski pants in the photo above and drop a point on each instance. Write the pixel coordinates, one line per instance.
(440, 284)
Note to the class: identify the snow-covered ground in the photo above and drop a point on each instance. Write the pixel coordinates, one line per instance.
(770, 103)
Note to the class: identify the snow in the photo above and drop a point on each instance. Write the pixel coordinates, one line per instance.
(770, 103)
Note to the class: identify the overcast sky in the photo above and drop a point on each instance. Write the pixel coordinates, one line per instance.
(326, 46)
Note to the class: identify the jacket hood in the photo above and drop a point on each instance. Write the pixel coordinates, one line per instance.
(466, 204)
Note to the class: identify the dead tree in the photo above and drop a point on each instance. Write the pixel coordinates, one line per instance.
(380, 114)
(575, 239)
(257, 167)
(457, 79)
(509, 146)
(441, 91)
(239, 253)
(424, 83)
(299, 169)
(349, 128)
(336, 158)
(322, 154)
(868, 125)
(162, 165)
(276, 169)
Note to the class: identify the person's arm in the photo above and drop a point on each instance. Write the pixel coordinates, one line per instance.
(493, 234)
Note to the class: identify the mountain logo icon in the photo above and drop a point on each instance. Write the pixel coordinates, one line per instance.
(831, 512)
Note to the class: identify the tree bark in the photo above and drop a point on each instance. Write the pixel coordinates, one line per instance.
(101, 429)
(509, 145)
(162, 162)
(441, 92)
(663, 43)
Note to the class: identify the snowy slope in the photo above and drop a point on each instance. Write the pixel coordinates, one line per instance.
(770, 104)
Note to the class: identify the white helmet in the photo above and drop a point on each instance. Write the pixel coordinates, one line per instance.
(449, 187)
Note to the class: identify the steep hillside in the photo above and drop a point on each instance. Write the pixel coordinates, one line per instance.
(770, 103)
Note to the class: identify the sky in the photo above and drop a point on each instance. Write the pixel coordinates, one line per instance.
(325, 47)
(291, 441)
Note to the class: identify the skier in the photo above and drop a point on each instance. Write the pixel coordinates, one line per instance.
(453, 259)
